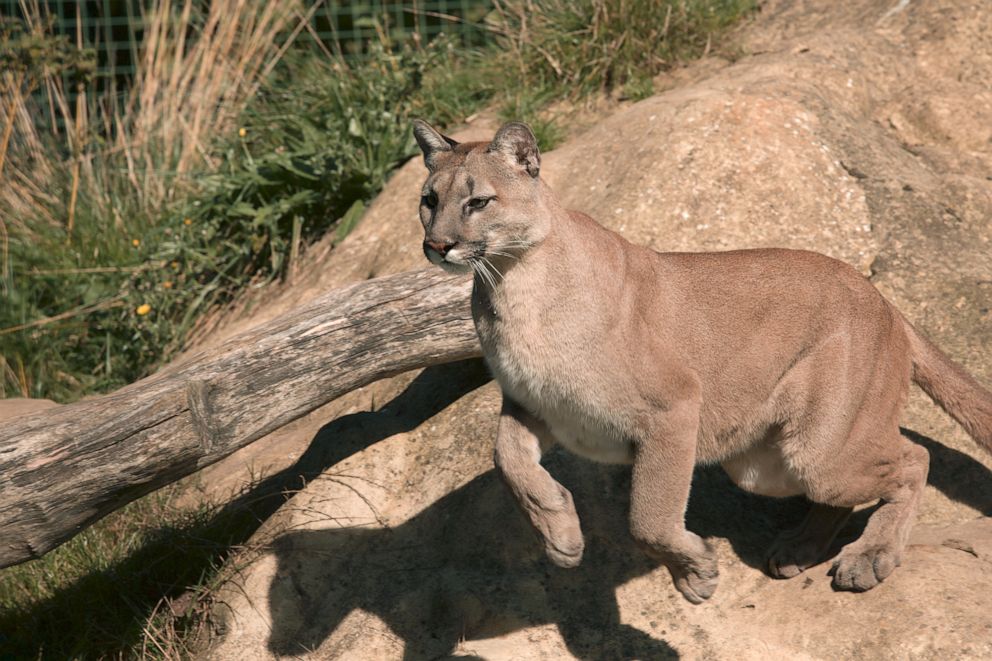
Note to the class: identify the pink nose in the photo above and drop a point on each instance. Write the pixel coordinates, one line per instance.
(439, 247)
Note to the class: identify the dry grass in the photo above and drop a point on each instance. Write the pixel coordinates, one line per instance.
(185, 96)
(194, 78)
(582, 47)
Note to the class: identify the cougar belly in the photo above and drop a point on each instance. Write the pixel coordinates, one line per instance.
(587, 437)
(762, 470)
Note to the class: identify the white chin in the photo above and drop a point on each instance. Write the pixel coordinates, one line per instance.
(451, 267)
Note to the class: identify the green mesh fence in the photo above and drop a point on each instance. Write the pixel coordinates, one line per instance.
(114, 28)
(352, 25)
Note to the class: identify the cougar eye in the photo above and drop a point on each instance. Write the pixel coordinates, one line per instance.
(429, 200)
(477, 203)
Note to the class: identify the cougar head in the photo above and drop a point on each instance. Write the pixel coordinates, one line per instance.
(481, 204)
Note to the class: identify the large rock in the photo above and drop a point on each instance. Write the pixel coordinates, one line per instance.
(860, 129)
(14, 407)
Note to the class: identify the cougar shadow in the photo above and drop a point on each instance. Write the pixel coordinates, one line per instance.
(469, 567)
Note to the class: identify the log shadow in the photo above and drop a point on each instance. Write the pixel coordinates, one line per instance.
(430, 392)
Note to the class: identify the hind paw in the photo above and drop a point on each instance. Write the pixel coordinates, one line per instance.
(790, 556)
(863, 570)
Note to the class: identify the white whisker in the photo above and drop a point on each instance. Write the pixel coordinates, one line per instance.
(478, 270)
(516, 243)
(489, 269)
(481, 271)
(493, 267)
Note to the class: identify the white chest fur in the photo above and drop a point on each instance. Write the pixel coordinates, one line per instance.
(538, 367)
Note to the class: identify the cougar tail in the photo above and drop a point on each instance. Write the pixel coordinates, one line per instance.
(953, 389)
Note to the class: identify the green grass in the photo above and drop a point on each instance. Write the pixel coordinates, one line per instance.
(120, 588)
(581, 47)
(140, 583)
(105, 303)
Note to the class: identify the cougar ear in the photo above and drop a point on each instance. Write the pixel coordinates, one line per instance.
(518, 143)
(431, 142)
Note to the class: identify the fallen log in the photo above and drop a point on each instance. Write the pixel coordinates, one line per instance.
(62, 469)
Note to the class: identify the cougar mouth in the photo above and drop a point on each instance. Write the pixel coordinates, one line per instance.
(454, 260)
(477, 257)
(472, 257)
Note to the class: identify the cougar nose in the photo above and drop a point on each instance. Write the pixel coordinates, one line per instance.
(439, 247)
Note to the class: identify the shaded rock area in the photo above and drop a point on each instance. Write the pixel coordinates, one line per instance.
(860, 129)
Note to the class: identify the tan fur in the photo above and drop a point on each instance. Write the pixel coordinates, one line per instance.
(786, 367)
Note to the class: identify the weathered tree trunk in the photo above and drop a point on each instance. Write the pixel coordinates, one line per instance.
(62, 469)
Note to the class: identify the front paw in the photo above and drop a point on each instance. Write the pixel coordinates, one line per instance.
(790, 556)
(696, 579)
(559, 526)
(565, 551)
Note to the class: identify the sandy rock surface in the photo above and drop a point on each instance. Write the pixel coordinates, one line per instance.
(859, 129)
(13, 407)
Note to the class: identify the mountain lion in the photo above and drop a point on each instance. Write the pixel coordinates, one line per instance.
(786, 367)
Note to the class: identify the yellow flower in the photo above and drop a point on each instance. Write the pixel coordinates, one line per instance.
(143, 309)
(167, 284)
(175, 265)
(187, 221)
(135, 242)
(242, 131)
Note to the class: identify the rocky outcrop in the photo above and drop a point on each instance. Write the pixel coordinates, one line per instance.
(13, 407)
(860, 129)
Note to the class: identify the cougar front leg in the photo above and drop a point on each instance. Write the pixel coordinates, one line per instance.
(548, 504)
(663, 463)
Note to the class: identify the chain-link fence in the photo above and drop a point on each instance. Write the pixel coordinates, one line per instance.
(114, 28)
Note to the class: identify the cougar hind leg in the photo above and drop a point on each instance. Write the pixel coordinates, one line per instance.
(876, 464)
(846, 450)
(798, 549)
(867, 561)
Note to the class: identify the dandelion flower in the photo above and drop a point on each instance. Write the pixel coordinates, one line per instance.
(187, 221)
(135, 242)
(167, 284)
(143, 309)
(242, 131)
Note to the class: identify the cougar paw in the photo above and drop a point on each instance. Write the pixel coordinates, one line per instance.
(790, 557)
(863, 570)
(696, 581)
(565, 552)
(563, 541)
